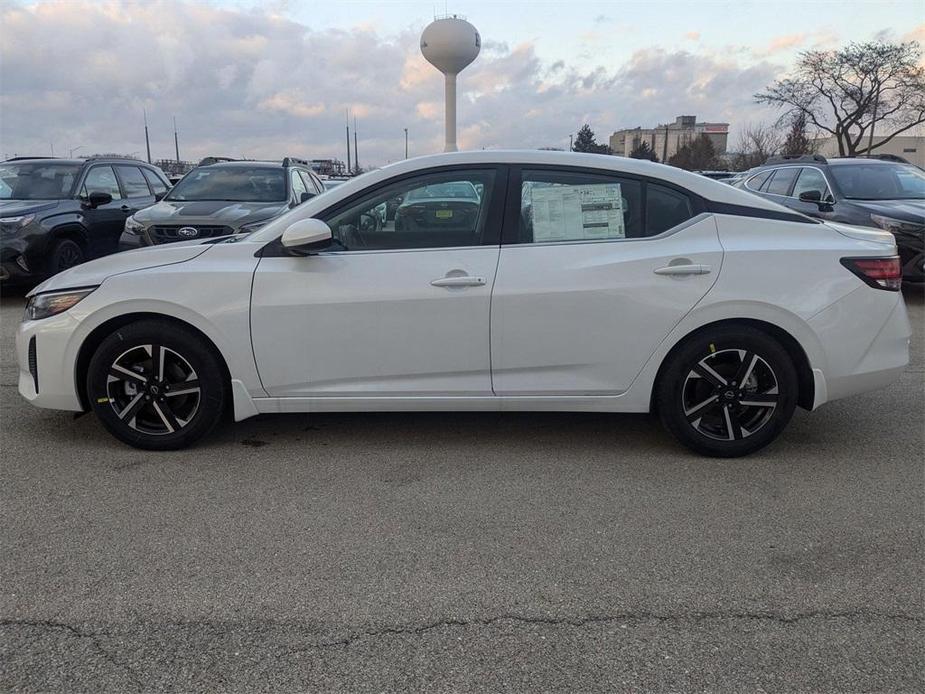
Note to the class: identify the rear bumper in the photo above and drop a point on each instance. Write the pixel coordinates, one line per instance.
(866, 338)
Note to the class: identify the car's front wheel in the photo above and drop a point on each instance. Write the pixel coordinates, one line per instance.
(156, 385)
(727, 391)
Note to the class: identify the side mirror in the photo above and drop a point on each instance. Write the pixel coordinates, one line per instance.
(159, 196)
(307, 236)
(97, 198)
(305, 196)
(811, 196)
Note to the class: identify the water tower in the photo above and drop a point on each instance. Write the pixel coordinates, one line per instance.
(450, 44)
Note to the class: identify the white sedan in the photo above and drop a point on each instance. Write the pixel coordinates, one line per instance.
(577, 282)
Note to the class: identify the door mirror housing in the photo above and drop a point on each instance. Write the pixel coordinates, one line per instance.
(825, 205)
(97, 198)
(811, 196)
(307, 236)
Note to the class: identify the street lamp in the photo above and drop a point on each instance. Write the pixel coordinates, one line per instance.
(406, 143)
(72, 150)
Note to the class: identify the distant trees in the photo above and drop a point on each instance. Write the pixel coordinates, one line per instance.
(797, 142)
(642, 150)
(585, 142)
(756, 143)
(697, 155)
(854, 91)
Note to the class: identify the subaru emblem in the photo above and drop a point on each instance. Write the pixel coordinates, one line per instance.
(188, 232)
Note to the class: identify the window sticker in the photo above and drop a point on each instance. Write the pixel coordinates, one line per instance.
(583, 212)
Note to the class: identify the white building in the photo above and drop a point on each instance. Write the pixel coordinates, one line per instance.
(909, 147)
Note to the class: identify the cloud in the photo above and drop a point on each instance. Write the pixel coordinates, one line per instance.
(254, 83)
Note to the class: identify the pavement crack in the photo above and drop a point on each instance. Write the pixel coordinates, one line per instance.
(787, 619)
(93, 637)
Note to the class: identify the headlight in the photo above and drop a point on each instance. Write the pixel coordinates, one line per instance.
(133, 227)
(253, 226)
(899, 225)
(10, 225)
(53, 303)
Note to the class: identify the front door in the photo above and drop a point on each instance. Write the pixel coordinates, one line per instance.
(396, 307)
(104, 223)
(595, 271)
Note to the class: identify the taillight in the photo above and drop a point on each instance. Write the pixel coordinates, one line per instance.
(880, 273)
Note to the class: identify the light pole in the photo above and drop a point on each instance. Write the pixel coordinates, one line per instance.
(570, 144)
(72, 150)
(406, 143)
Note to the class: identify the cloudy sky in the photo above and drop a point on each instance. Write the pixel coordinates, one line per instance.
(266, 79)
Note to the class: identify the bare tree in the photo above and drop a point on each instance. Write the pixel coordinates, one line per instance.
(853, 91)
(756, 143)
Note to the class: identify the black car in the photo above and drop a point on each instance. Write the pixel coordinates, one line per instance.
(222, 197)
(56, 213)
(872, 192)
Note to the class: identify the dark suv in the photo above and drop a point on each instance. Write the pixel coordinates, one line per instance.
(868, 192)
(221, 197)
(56, 213)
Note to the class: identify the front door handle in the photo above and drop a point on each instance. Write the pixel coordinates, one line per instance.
(686, 269)
(125, 208)
(463, 281)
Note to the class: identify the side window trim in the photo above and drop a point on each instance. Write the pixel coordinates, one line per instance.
(511, 225)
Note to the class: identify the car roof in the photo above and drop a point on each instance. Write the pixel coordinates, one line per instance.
(700, 185)
(246, 163)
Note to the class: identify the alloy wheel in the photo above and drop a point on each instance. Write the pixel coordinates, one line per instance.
(730, 394)
(153, 389)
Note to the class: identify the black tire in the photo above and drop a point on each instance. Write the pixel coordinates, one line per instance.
(712, 416)
(162, 405)
(64, 254)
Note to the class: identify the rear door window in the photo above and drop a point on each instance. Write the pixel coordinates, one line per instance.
(563, 206)
(665, 209)
(756, 181)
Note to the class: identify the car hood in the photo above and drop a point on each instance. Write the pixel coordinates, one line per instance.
(15, 208)
(905, 210)
(209, 212)
(96, 271)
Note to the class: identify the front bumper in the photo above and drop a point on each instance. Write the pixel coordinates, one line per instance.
(54, 372)
(15, 267)
(128, 242)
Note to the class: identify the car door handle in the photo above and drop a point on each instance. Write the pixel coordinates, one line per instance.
(125, 208)
(686, 269)
(463, 281)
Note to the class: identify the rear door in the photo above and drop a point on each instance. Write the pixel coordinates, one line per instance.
(595, 271)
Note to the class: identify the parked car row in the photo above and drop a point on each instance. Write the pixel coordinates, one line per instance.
(869, 192)
(57, 213)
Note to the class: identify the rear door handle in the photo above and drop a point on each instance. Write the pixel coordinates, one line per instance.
(464, 281)
(686, 269)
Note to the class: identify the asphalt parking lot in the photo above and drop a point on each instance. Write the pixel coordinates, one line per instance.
(447, 552)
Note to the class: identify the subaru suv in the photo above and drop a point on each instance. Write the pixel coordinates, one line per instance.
(873, 192)
(56, 213)
(222, 197)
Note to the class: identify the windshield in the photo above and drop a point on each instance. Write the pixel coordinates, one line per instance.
(455, 189)
(235, 184)
(37, 180)
(879, 181)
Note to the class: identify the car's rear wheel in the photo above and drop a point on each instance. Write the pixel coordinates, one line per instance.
(64, 254)
(156, 385)
(727, 391)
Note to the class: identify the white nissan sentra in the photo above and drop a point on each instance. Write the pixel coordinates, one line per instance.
(482, 281)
